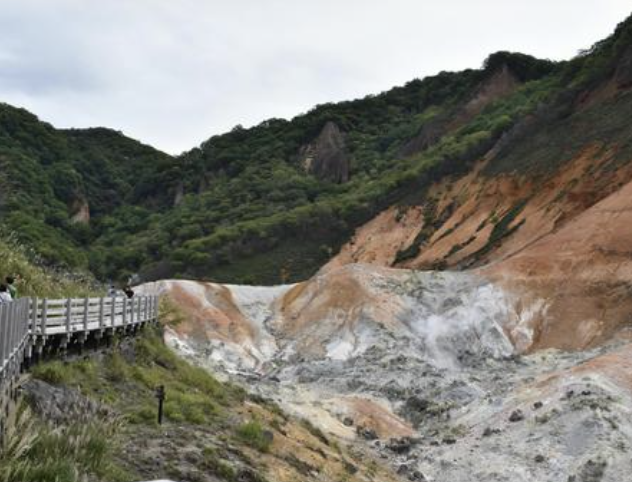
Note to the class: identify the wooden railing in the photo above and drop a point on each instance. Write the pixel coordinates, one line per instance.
(72, 315)
(14, 335)
(29, 325)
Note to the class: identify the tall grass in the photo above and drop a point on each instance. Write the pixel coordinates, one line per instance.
(39, 452)
(37, 279)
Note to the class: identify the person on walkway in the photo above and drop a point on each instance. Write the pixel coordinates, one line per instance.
(13, 291)
(5, 295)
(112, 291)
(129, 292)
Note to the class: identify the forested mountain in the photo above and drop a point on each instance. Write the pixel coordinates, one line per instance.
(276, 201)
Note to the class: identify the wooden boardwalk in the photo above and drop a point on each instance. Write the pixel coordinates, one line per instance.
(31, 326)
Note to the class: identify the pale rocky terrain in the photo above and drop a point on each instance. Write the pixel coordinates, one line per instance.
(441, 374)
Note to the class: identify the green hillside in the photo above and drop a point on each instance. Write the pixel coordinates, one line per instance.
(243, 207)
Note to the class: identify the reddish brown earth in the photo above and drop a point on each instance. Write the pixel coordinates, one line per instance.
(571, 247)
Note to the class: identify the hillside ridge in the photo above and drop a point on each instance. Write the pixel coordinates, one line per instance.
(242, 207)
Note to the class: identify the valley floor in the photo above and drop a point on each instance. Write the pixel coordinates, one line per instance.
(418, 369)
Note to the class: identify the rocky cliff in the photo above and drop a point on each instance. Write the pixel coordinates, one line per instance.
(326, 156)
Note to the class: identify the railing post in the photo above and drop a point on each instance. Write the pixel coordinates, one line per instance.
(125, 311)
(101, 317)
(113, 312)
(44, 316)
(33, 314)
(3, 340)
(68, 316)
(86, 303)
(131, 311)
(12, 327)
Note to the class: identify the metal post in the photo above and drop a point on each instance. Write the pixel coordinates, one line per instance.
(160, 395)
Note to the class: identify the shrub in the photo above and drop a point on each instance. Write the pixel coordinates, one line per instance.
(254, 435)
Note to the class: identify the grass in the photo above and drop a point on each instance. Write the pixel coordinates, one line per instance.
(37, 279)
(315, 431)
(215, 465)
(126, 382)
(192, 394)
(501, 229)
(39, 452)
(213, 422)
(254, 435)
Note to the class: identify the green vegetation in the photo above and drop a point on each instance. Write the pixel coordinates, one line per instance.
(215, 465)
(501, 229)
(193, 396)
(248, 211)
(240, 208)
(253, 434)
(210, 427)
(37, 279)
(42, 452)
(39, 452)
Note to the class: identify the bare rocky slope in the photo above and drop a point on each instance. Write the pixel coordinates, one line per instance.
(433, 371)
(478, 329)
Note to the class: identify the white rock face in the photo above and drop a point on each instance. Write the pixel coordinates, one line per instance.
(442, 314)
(371, 352)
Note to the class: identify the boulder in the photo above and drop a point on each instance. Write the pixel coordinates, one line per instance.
(61, 404)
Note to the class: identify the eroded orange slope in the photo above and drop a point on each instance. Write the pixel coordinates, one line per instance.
(583, 271)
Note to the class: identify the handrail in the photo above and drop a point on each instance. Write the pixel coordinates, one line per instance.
(31, 321)
(69, 316)
(14, 332)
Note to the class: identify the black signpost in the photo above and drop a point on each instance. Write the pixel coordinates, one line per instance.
(160, 395)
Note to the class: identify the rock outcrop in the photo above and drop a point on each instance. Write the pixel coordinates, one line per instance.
(59, 404)
(178, 194)
(80, 212)
(326, 156)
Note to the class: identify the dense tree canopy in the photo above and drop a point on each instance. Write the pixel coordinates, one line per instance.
(241, 207)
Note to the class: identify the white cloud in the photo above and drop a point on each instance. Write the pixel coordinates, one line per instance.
(172, 73)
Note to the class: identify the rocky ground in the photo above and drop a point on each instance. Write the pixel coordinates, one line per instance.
(104, 403)
(419, 370)
(547, 416)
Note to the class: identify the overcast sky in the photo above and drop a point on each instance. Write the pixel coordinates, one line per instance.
(174, 72)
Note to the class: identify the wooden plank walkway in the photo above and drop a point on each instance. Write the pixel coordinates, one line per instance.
(28, 326)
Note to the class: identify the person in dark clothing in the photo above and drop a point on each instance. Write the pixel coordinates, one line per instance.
(13, 291)
(129, 292)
